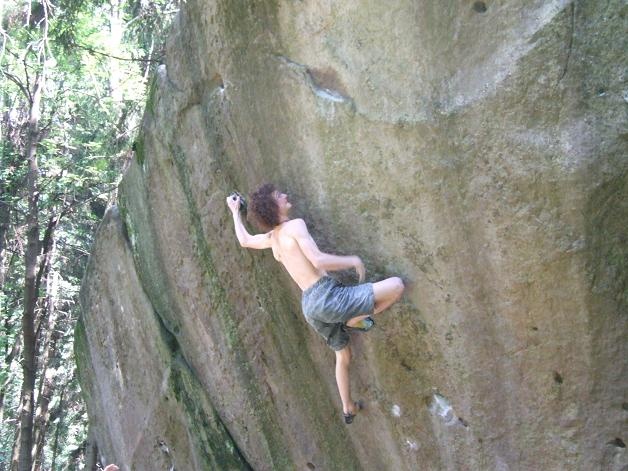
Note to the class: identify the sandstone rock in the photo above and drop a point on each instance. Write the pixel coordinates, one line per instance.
(477, 149)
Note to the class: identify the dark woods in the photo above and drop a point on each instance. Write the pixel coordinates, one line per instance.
(74, 79)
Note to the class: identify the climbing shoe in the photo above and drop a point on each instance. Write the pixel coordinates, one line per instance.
(349, 416)
(364, 325)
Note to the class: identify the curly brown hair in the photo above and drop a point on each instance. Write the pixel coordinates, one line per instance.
(263, 207)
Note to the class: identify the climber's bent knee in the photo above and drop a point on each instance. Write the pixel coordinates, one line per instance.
(388, 289)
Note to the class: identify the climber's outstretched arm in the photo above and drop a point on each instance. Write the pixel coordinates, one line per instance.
(257, 241)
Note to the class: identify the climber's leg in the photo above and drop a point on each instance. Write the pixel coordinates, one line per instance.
(343, 359)
(387, 292)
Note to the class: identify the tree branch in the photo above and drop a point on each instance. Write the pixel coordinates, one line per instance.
(17, 82)
(131, 59)
(75, 203)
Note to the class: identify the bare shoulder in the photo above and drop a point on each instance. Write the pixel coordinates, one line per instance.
(296, 226)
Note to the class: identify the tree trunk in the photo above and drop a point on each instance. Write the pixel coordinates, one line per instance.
(116, 33)
(8, 359)
(49, 350)
(15, 455)
(3, 388)
(61, 416)
(30, 282)
(149, 58)
(5, 215)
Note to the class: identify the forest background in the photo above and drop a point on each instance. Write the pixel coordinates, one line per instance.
(74, 77)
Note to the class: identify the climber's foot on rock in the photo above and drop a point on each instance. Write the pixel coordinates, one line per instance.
(350, 414)
(363, 325)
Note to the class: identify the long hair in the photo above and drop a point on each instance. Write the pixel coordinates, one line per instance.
(263, 207)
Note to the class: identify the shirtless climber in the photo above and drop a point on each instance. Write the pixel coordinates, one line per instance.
(330, 307)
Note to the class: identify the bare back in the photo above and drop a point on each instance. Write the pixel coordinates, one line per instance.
(287, 251)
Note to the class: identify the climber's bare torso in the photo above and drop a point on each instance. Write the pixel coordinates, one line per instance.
(287, 251)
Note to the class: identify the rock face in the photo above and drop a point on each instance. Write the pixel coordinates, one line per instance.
(477, 149)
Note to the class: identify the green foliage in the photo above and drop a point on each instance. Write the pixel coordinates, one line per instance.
(95, 58)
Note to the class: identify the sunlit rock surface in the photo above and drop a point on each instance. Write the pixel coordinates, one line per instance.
(477, 149)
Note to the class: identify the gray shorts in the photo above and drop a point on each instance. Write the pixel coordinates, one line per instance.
(328, 304)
